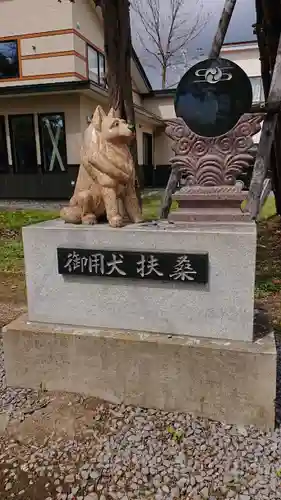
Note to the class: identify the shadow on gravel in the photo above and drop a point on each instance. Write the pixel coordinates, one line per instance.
(262, 327)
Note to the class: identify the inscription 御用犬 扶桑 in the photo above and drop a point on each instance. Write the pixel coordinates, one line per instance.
(184, 268)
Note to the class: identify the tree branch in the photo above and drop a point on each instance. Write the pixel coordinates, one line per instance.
(166, 29)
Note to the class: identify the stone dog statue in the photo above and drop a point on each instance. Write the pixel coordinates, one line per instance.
(106, 178)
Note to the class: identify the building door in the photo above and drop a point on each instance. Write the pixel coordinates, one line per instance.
(148, 166)
(4, 163)
(23, 144)
(147, 149)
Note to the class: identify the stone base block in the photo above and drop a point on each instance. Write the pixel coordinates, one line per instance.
(233, 382)
(221, 309)
(210, 203)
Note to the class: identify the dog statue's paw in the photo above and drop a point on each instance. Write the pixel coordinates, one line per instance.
(116, 221)
(89, 219)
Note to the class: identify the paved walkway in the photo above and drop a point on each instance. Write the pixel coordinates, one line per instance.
(54, 205)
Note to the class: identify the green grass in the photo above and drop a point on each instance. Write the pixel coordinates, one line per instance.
(268, 273)
(11, 256)
(11, 223)
(20, 218)
(269, 209)
(151, 207)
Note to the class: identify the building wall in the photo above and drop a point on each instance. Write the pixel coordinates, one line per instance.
(162, 149)
(85, 21)
(160, 106)
(247, 59)
(34, 46)
(34, 16)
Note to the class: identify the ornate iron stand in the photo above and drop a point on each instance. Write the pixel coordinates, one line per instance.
(211, 166)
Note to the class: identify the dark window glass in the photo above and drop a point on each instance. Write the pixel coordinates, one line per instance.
(96, 64)
(23, 144)
(9, 63)
(102, 69)
(93, 63)
(53, 143)
(4, 164)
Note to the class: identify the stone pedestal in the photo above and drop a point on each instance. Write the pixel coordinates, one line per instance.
(213, 204)
(220, 309)
(167, 345)
(233, 382)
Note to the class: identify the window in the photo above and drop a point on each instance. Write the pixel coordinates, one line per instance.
(93, 61)
(4, 164)
(257, 87)
(53, 143)
(23, 144)
(102, 69)
(96, 63)
(9, 63)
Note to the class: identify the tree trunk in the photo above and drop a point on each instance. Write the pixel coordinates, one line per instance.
(261, 164)
(222, 28)
(118, 50)
(164, 76)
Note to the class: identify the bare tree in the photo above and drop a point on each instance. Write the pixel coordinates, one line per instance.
(165, 29)
(118, 51)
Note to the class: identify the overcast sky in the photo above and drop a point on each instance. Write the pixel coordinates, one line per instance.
(240, 29)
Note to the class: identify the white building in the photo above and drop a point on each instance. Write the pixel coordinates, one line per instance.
(246, 55)
(52, 68)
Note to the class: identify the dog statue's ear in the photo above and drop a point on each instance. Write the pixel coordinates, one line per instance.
(98, 116)
(112, 113)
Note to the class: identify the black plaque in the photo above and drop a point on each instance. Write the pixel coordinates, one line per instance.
(176, 267)
(212, 96)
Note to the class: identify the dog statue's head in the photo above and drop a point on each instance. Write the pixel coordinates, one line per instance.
(112, 128)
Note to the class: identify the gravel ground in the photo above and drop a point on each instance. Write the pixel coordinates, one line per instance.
(32, 204)
(54, 205)
(131, 453)
(67, 448)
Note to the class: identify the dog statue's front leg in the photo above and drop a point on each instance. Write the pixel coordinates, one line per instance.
(112, 207)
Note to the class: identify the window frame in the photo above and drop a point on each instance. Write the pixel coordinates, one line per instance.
(18, 72)
(261, 90)
(100, 55)
(13, 153)
(64, 156)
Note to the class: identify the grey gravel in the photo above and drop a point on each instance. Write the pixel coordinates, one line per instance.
(129, 453)
(14, 401)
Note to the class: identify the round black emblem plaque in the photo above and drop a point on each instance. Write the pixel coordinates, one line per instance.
(212, 96)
